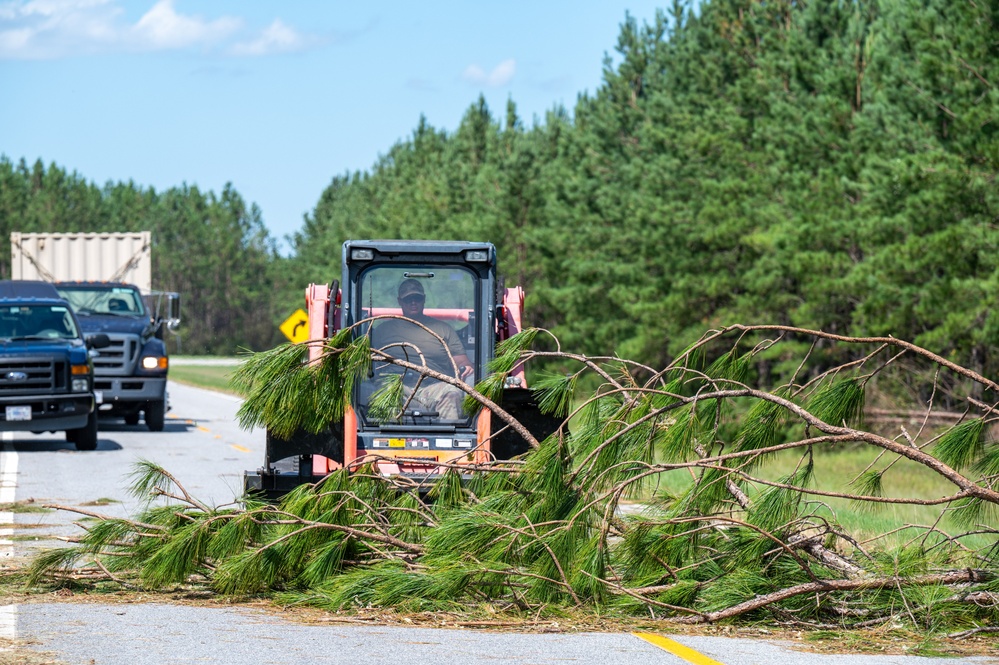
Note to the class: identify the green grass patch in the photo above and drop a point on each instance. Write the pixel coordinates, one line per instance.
(103, 501)
(836, 469)
(211, 377)
(23, 507)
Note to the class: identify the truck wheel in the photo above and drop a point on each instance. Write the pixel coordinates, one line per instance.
(85, 438)
(132, 418)
(155, 414)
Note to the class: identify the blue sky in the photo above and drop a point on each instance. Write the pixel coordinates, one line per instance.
(278, 97)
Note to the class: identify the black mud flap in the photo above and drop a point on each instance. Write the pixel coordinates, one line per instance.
(520, 403)
(288, 461)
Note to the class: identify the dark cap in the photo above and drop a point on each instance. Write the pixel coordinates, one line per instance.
(409, 287)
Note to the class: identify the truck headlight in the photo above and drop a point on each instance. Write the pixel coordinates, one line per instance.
(155, 362)
(80, 375)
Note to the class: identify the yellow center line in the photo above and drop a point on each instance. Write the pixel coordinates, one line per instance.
(219, 436)
(677, 649)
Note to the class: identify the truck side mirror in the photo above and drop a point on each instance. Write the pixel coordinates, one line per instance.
(173, 311)
(98, 341)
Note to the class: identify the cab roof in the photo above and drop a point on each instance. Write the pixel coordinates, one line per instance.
(97, 284)
(23, 289)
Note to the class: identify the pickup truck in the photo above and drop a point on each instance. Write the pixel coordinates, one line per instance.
(46, 370)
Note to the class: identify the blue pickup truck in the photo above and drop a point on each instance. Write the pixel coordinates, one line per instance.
(46, 370)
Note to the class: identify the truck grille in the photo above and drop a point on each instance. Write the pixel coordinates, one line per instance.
(119, 358)
(32, 376)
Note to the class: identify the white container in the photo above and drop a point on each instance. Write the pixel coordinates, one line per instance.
(83, 257)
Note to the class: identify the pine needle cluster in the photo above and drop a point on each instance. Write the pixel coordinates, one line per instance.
(657, 496)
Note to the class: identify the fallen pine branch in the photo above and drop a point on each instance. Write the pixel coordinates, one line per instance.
(828, 586)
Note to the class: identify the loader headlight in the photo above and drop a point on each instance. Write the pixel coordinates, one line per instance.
(476, 255)
(362, 254)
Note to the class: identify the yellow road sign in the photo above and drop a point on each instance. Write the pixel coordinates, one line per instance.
(296, 327)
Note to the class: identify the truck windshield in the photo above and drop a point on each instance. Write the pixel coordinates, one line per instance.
(424, 316)
(107, 300)
(20, 322)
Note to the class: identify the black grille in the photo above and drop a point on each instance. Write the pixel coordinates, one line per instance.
(32, 376)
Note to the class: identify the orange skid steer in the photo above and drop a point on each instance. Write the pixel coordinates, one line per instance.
(438, 305)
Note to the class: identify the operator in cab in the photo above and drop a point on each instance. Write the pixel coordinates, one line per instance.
(406, 340)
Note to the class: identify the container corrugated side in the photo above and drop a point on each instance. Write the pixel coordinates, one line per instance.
(122, 257)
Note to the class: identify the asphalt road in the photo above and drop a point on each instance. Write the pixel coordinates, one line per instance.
(203, 446)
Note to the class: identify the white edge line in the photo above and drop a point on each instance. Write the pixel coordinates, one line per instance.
(8, 488)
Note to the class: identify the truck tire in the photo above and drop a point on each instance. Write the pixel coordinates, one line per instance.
(155, 414)
(85, 438)
(132, 418)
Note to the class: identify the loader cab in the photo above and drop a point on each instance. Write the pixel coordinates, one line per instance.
(454, 326)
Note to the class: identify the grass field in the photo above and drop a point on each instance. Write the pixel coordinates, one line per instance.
(210, 376)
(834, 470)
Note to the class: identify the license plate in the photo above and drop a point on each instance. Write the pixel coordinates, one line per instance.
(18, 413)
(99, 396)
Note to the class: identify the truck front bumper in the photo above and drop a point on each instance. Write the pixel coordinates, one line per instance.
(128, 390)
(49, 413)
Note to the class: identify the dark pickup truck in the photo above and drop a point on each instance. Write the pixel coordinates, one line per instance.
(46, 373)
(130, 375)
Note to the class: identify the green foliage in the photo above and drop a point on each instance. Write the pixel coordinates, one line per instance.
(285, 392)
(763, 427)
(386, 403)
(830, 168)
(962, 446)
(548, 530)
(555, 393)
(870, 483)
(840, 403)
(683, 432)
(798, 164)
(211, 247)
(815, 166)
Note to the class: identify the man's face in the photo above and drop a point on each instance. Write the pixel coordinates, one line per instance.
(412, 304)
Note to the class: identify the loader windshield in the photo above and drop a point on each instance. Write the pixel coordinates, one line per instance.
(423, 317)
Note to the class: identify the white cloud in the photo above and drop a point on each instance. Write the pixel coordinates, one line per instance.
(51, 29)
(15, 40)
(48, 8)
(276, 38)
(501, 75)
(41, 29)
(163, 28)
